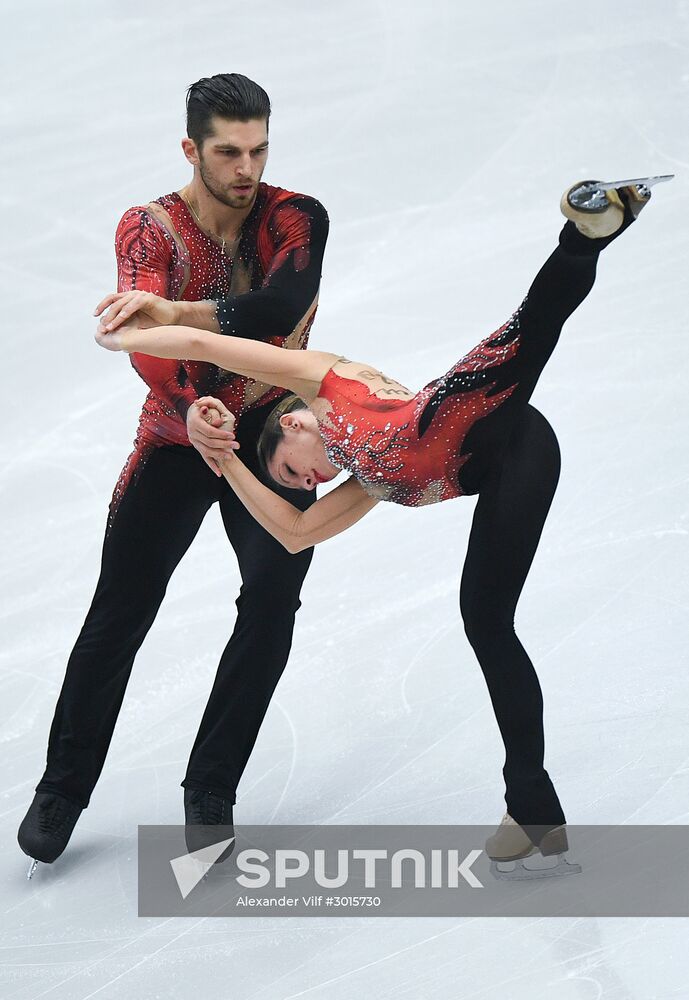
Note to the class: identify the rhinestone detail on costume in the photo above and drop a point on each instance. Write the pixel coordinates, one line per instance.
(409, 451)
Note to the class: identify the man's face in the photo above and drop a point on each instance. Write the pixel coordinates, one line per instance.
(232, 160)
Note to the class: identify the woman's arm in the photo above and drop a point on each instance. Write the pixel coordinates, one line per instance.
(155, 311)
(299, 371)
(294, 528)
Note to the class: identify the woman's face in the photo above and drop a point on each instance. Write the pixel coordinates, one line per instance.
(300, 461)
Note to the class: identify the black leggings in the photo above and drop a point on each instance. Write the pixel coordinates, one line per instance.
(514, 468)
(156, 520)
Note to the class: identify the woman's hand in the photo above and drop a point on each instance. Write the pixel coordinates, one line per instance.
(210, 428)
(212, 409)
(114, 341)
(150, 310)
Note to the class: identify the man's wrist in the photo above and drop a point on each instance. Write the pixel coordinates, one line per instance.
(201, 314)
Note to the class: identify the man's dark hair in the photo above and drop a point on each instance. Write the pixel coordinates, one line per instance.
(228, 95)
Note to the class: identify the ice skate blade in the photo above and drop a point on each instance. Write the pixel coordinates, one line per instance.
(635, 182)
(590, 196)
(518, 871)
(32, 868)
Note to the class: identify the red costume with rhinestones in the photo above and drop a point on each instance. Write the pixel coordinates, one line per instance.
(267, 291)
(411, 451)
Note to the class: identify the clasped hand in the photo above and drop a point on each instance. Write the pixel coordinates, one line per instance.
(210, 428)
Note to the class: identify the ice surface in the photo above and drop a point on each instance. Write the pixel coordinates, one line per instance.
(440, 137)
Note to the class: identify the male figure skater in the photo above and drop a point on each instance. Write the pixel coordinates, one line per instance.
(242, 257)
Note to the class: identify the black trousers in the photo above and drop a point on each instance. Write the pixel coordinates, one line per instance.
(514, 468)
(155, 522)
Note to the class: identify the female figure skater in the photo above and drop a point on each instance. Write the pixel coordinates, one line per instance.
(473, 431)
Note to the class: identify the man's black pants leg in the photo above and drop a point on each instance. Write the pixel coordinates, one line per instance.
(156, 521)
(255, 656)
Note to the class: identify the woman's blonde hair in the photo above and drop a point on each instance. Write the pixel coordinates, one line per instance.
(272, 433)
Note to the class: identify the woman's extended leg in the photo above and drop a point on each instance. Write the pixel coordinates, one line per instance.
(511, 510)
(528, 340)
(558, 289)
(498, 376)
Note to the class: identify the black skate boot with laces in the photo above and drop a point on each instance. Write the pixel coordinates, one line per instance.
(45, 830)
(203, 813)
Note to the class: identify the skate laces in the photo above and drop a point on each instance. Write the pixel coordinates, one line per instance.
(208, 808)
(54, 814)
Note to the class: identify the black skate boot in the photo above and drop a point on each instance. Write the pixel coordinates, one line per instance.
(203, 813)
(45, 830)
(601, 210)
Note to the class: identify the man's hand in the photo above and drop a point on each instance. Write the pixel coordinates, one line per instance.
(150, 309)
(210, 427)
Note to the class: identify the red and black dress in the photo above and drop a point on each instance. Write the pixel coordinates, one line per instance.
(410, 451)
(474, 431)
(443, 442)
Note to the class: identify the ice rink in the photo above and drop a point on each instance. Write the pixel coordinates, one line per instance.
(440, 137)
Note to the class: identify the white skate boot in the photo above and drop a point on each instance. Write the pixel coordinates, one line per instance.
(510, 845)
(597, 208)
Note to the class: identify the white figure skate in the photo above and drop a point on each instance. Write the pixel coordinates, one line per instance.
(596, 208)
(510, 846)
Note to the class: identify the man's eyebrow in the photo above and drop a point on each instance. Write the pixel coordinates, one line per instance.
(228, 146)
